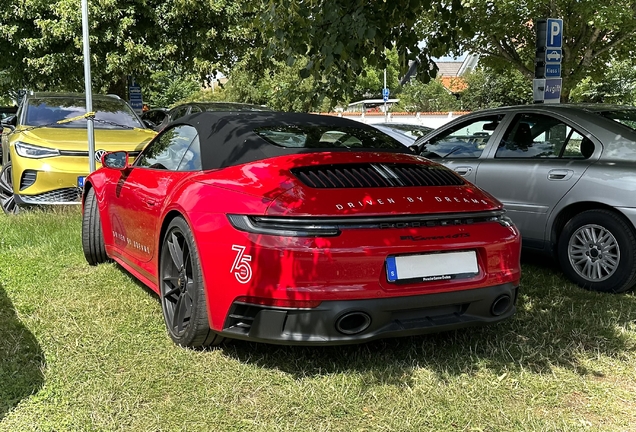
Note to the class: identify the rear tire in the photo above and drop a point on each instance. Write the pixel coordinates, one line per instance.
(92, 235)
(597, 251)
(181, 288)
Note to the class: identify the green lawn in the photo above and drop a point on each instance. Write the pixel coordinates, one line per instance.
(84, 348)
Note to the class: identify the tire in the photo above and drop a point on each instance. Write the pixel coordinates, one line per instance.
(92, 234)
(597, 251)
(7, 197)
(182, 290)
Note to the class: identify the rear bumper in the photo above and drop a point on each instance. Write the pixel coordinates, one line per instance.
(330, 323)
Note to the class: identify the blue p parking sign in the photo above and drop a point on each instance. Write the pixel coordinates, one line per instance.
(554, 33)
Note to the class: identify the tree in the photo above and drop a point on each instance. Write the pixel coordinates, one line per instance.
(41, 40)
(342, 37)
(490, 88)
(502, 32)
(617, 86)
(432, 96)
(166, 88)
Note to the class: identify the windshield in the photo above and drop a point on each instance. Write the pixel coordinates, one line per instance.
(109, 113)
(625, 117)
(326, 137)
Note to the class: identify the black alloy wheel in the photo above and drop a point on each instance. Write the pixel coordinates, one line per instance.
(597, 251)
(181, 288)
(7, 197)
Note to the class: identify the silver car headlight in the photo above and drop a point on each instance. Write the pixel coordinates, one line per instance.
(33, 151)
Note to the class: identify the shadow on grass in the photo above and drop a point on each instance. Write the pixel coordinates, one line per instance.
(21, 358)
(557, 324)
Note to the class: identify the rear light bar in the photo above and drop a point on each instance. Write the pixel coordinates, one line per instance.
(331, 227)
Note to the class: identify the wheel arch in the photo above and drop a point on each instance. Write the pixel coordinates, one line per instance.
(567, 213)
(87, 186)
(170, 216)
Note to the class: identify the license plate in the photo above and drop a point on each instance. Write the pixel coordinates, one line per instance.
(80, 181)
(431, 267)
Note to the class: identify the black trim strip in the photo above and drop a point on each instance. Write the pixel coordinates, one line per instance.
(346, 221)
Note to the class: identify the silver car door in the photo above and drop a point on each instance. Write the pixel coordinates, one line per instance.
(537, 161)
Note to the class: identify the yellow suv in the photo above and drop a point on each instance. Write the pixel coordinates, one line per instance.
(45, 147)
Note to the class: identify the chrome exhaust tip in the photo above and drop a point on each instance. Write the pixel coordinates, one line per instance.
(501, 305)
(353, 323)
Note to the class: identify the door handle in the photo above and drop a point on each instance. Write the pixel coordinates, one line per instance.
(560, 174)
(151, 202)
(463, 170)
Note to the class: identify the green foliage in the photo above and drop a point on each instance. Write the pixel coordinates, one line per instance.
(502, 33)
(278, 85)
(489, 88)
(617, 86)
(41, 41)
(432, 96)
(164, 89)
(342, 37)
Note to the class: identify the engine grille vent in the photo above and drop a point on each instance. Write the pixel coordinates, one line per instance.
(376, 175)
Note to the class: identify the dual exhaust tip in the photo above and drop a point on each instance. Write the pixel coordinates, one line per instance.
(353, 323)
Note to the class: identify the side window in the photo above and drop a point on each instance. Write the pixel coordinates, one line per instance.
(195, 109)
(542, 136)
(167, 150)
(191, 160)
(179, 113)
(466, 140)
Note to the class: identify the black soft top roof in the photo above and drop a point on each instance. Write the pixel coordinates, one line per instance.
(228, 138)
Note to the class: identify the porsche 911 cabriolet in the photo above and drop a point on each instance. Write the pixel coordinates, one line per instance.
(300, 229)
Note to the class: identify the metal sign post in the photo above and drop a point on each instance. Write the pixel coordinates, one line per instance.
(87, 84)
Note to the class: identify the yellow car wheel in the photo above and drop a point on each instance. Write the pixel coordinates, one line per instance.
(7, 198)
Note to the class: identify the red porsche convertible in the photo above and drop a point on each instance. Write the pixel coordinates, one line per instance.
(300, 229)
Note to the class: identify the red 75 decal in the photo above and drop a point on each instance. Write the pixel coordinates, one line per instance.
(241, 267)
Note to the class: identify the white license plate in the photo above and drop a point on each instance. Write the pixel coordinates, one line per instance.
(80, 181)
(432, 267)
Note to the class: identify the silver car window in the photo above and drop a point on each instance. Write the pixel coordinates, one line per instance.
(541, 136)
(465, 140)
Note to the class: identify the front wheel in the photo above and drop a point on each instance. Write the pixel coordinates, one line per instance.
(7, 197)
(597, 251)
(182, 290)
(92, 234)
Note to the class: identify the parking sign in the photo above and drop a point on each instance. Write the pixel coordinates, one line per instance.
(554, 33)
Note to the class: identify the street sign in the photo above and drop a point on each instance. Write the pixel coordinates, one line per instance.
(134, 97)
(552, 90)
(385, 94)
(552, 70)
(554, 33)
(546, 87)
(553, 55)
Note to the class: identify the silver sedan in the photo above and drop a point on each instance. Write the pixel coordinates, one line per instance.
(566, 175)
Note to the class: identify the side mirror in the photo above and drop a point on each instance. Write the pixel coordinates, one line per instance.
(116, 160)
(9, 121)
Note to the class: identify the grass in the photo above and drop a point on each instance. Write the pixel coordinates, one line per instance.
(84, 349)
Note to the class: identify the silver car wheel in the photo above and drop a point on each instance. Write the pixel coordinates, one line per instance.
(594, 252)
